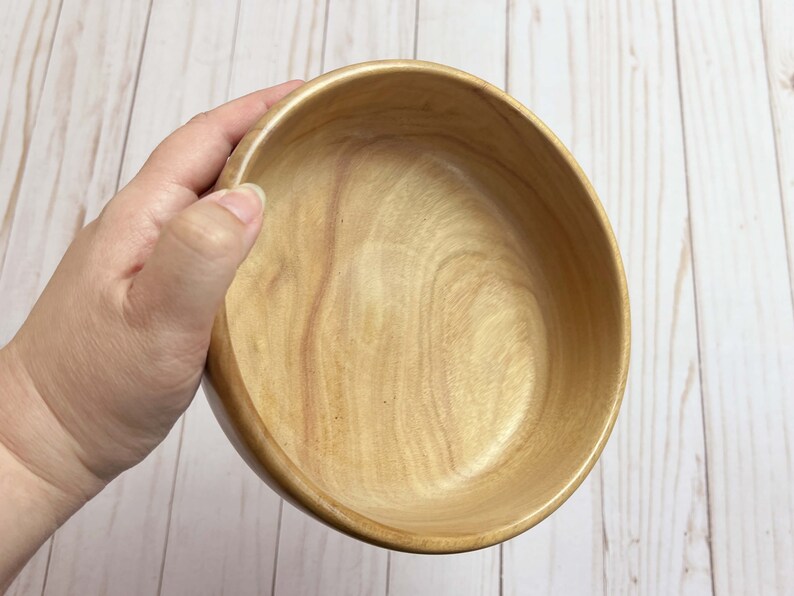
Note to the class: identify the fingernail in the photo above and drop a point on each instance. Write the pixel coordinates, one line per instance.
(245, 202)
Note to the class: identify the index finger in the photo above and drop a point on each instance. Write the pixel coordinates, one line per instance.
(189, 160)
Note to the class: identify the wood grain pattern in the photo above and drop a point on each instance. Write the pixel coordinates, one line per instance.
(429, 253)
(745, 320)
(344, 44)
(589, 91)
(27, 30)
(778, 35)
(212, 547)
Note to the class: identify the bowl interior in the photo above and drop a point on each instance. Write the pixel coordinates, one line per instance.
(432, 327)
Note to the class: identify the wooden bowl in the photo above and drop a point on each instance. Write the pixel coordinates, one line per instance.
(428, 345)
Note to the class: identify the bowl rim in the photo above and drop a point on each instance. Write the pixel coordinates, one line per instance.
(227, 379)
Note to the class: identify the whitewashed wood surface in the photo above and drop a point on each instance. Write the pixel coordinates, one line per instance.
(681, 113)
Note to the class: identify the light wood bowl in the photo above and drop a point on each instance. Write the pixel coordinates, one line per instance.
(428, 345)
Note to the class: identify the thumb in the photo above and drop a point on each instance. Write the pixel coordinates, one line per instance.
(195, 259)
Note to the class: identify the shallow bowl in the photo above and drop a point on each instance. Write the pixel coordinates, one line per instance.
(428, 345)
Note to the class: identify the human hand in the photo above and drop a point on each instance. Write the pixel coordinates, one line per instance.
(113, 350)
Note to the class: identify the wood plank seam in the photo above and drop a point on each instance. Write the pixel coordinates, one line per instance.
(325, 37)
(47, 567)
(234, 49)
(694, 288)
(134, 93)
(416, 29)
(388, 572)
(278, 540)
(604, 540)
(776, 141)
(171, 504)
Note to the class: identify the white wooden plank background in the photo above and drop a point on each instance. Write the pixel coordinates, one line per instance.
(745, 315)
(682, 114)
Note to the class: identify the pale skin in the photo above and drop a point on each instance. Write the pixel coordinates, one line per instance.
(113, 351)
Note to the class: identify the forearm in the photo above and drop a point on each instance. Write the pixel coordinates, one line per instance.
(39, 487)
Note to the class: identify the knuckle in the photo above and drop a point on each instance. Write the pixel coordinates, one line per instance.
(223, 241)
(137, 312)
(203, 235)
(85, 235)
(157, 155)
(200, 118)
(110, 297)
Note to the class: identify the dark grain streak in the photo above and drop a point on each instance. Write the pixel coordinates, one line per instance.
(308, 342)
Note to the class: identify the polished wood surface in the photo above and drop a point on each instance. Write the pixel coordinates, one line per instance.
(675, 503)
(429, 345)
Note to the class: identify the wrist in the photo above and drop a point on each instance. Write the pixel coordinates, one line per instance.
(34, 498)
(30, 511)
(36, 450)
